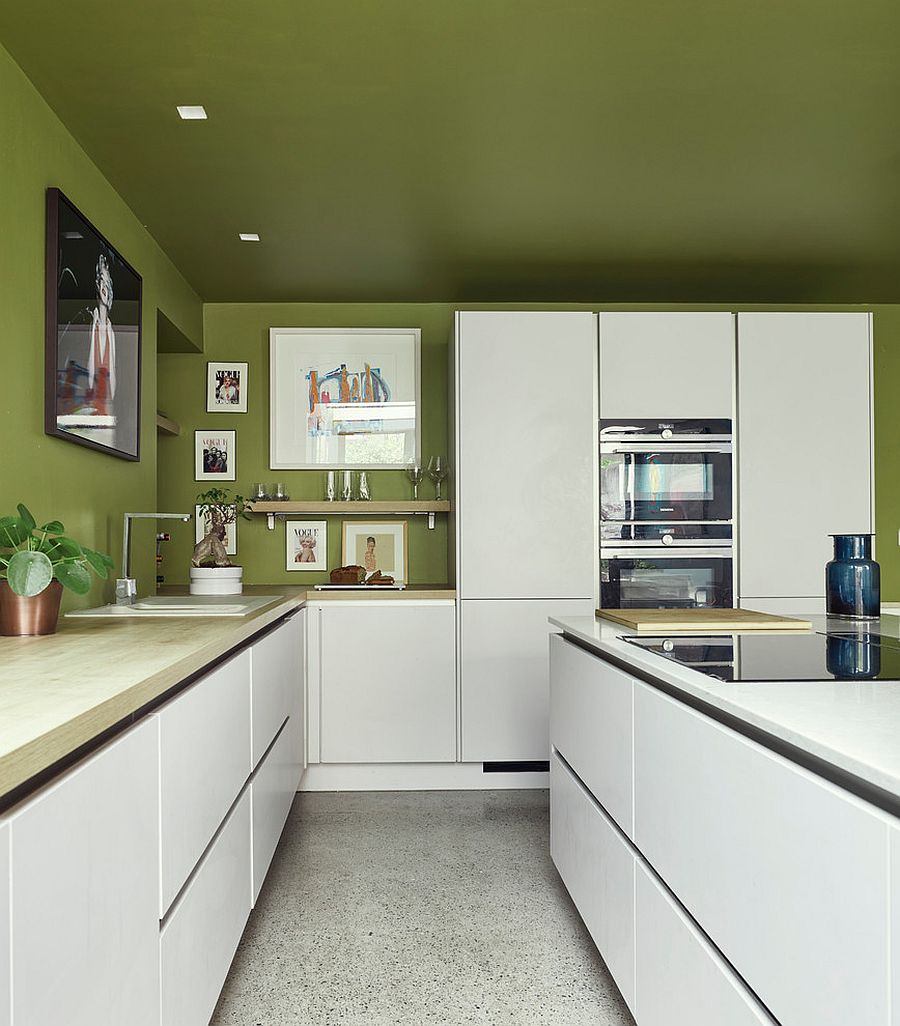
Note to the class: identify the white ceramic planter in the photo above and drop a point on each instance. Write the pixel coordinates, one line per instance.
(216, 580)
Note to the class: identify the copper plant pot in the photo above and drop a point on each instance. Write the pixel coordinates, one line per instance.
(25, 616)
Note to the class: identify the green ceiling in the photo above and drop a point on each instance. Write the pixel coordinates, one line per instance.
(493, 150)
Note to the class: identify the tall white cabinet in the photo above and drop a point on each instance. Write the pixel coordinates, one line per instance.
(804, 445)
(525, 410)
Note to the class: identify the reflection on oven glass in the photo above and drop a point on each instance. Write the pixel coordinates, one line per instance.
(686, 584)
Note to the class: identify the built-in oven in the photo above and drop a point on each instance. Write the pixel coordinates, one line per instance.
(666, 578)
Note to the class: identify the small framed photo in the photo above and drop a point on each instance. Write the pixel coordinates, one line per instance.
(376, 545)
(226, 388)
(214, 456)
(307, 544)
(202, 525)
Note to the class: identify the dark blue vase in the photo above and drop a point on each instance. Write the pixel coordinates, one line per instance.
(853, 578)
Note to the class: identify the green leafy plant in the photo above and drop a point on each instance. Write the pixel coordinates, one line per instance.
(31, 556)
(220, 508)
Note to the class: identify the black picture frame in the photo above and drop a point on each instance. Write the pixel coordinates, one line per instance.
(92, 361)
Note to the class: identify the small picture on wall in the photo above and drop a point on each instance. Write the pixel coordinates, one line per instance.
(226, 388)
(202, 526)
(376, 546)
(214, 456)
(307, 544)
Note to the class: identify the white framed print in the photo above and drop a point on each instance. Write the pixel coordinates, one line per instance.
(376, 545)
(226, 388)
(214, 456)
(202, 525)
(345, 398)
(307, 544)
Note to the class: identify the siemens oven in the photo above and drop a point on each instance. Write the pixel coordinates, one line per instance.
(671, 578)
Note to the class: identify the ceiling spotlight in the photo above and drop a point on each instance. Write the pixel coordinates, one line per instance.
(248, 236)
(189, 113)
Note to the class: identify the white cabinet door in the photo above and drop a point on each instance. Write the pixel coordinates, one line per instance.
(388, 682)
(505, 674)
(85, 879)
(204, 763)
(199, 939)
(666, 365)
(298, 725)
(895, 926)
(526, 438)
(272, 790)
(590, 725)
(804, 446)
(786, 873)
(5, 995)
(679, 978)
(597, 866)
(276, 681)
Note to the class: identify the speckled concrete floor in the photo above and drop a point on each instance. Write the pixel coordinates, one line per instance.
(417, 908)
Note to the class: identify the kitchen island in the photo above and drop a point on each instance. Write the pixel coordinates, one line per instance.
(733, 847)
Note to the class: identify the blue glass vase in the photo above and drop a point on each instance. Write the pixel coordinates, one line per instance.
(853, 578)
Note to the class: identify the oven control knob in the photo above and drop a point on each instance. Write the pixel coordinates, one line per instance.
(668, 645)
(667, 432)
(667, 539)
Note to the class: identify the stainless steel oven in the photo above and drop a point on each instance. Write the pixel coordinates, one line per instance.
(670, 578)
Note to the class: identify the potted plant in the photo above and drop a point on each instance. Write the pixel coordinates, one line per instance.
(212, 572)
(36, 563)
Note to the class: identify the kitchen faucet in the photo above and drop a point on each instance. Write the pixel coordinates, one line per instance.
(126, 585)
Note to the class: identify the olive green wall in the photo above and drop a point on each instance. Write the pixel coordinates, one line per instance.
(87, 490)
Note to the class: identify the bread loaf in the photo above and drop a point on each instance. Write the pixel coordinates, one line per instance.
(348, 575)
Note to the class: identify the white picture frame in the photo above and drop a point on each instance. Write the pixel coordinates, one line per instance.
(215, 449)
(390, 552)
(344, 398)
(226, 387)
(304, 539)
(202, 525)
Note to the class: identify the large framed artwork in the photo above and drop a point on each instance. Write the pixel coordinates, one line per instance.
(344, 397)
(92, 367)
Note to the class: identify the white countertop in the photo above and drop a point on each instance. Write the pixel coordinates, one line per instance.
(852, 726)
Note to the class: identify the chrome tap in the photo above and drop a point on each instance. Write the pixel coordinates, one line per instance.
(126, 585)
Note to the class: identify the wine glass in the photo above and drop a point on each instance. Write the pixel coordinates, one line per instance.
(415, 474)
(437, 471)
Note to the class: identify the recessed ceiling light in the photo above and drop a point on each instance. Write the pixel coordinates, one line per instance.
(248, 236)
(189, 113)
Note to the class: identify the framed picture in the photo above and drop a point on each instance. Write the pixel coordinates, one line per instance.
(344, 397)
(214, 455)
(202, 525)
(307, 544)
(376, 545)
(92, 362)
(226, 388)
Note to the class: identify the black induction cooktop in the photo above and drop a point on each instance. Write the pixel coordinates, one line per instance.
(846, 655)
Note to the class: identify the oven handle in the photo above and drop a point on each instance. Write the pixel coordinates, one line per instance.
(669, 552)
(700, 448)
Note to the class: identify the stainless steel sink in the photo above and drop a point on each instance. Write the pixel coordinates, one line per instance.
(182, 605)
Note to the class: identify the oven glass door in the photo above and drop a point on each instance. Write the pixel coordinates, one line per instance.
(665, 485)
(646, 580)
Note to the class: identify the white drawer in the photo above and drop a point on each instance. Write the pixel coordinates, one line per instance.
(272, 790)
(895, 925)
(680, 979)
(597, 867)
(786, 873)
(590, 725)
(198, 942)
(276, 677)
(204, 763)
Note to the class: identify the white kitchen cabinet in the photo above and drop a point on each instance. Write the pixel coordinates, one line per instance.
(299, 726)
(387, 686)
(85, 891)
(804, 445)
(590, 725)
(505, 677)
(201, 934)
(5, 1009)
(205, 760)
(785, 872)
(666, 366)
(276, 681)
(597, 866)
(895, 926)
(273, 788)
(526, 435)
(679, 978)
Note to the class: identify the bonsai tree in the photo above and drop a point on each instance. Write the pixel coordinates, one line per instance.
(219, 509)
(31, 556)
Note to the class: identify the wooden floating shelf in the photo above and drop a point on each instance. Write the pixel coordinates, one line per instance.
(166, 426)
(410, 507)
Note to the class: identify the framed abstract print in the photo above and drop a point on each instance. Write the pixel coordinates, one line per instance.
(345, 398)
(226, 388)
(214, 455)
(92, 366)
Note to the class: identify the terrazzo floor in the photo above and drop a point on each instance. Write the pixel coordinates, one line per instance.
(417, 908)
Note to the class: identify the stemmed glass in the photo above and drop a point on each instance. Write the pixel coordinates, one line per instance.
(415, 474)
(437, 471)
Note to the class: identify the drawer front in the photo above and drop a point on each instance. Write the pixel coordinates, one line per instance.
(272, 791)
(786, 873)
(597, 867)
(4, 925)
(590, 725)
(680, 979)
(204, 763)
(895, 925)
(197, 944)
(276, 677)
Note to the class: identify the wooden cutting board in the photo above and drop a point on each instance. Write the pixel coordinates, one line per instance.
(660, 621)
